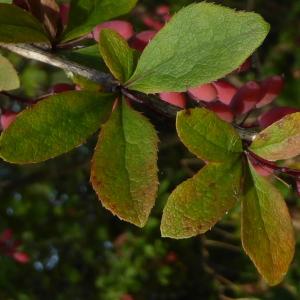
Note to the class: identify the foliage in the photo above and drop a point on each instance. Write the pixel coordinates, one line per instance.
(120, 181)
(72, 117)
(280, 140)
(118, 56)
(266, 217)
(187, 58)
(187, 51)
(85, 15)
(9, 77)
(18, 26)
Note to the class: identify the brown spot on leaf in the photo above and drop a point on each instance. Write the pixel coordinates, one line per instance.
(188, 112)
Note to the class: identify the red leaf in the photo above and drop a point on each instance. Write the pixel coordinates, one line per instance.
(61, 87)
(245, 66)
(124, 28)
(263, 170)
(275, 114)
(6, 119)
(246, 98)
(21, 257)
(6, 235)
(152, 23)
(21, 3)
(141, 40)
(164, 12)
(298, 187)
(271, 88)
(204, 92)
(64, 10)
(177, 99)
(171, 257)
(225, 91)
(222, 110)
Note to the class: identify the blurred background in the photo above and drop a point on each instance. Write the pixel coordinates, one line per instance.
(58, 242)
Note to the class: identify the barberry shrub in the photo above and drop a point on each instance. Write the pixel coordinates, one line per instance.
(184, 66)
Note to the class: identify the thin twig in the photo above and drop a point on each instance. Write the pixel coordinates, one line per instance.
(106, 80)
(34, 53)
(222, 245)
(265, 163)
(73, 44)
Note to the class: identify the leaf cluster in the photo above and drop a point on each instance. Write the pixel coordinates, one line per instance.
(202, 43)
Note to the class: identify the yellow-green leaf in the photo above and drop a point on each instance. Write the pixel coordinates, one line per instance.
(124, 168)
(267, 232)
(207, 136)
(117, 55)
(279, 141)
(202, 42)
(18, 26)
(54, 126)
(198, 203)
(9, 79)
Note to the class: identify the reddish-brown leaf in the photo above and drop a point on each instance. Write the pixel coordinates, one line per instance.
(48, 12)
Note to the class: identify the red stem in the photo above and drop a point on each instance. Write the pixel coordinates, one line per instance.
(270, 165)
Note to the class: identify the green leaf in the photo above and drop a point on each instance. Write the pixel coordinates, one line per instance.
(198, 203)
(118, 56)
(267, 232)
(54, 126)
(9, 79)
(18, 26)
(279, 141)
(124, 170)
(207, 136)
(86, 14)
(202, 42)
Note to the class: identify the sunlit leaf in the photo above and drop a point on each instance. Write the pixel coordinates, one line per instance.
(9, 79)
(207, 136)
(202, 43)
(279, 141)
(267, 232)
(124, 168)
(54, 126)
(198, 203)
(116, 53)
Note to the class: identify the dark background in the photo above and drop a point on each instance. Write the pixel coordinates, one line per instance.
(78, 250)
